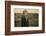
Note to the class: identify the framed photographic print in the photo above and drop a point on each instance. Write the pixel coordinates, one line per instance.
(24, 17)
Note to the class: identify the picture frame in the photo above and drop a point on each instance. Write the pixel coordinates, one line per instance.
(8, 17)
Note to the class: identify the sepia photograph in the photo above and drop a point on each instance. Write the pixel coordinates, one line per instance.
(25, 17)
